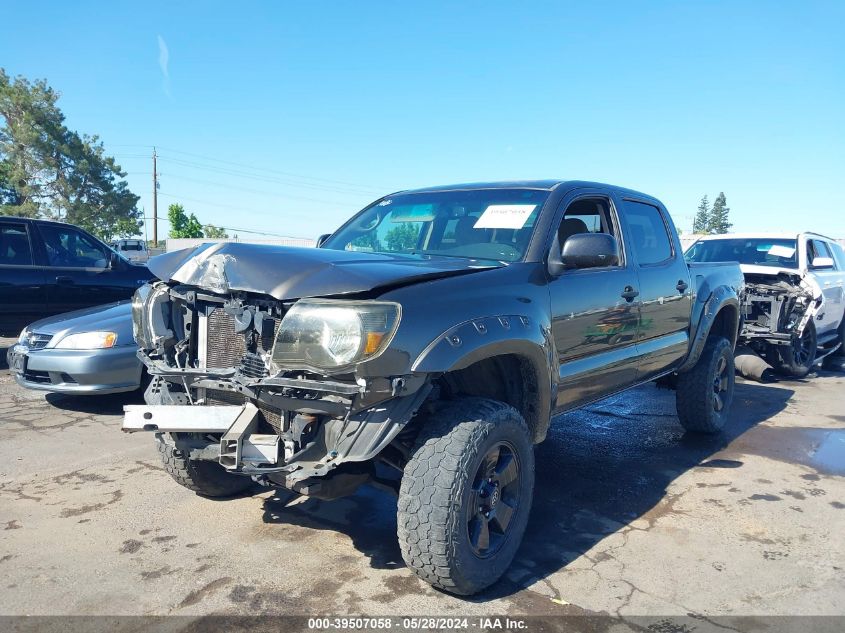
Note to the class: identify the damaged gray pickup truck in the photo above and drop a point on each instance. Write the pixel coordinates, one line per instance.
(425, 346)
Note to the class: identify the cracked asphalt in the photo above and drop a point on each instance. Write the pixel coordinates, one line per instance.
(630, 517)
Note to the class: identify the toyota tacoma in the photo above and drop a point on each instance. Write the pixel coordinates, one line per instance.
(425, 346)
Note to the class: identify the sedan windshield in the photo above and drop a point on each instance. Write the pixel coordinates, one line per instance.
(475, 224)
(781, 253)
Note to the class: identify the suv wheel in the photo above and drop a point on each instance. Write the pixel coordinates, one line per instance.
(466, 495)
(704, 394)
(797, 360)
(205, 478)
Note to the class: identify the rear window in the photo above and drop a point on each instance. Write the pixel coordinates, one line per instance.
(649, 237)
(782, 253)
(131, 246)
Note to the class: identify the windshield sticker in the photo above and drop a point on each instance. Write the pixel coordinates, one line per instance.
(504, 216)
(781, 251)
(384, 203)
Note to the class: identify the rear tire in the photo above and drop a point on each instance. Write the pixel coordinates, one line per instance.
(205, 478)
(704, 393)
(797, 360)
(466, 495)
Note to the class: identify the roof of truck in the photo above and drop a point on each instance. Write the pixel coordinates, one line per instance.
(542, 185)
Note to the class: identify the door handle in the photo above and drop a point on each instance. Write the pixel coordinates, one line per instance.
(682, 286)
(629, 294)
(64, 280)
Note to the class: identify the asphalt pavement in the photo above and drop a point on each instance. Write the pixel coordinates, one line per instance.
(630, 517)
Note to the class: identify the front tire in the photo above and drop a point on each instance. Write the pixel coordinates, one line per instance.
(466, 495)
(205, 478)
(796, 360)
(704, 393)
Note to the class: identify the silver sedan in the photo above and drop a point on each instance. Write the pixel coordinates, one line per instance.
(90, 351)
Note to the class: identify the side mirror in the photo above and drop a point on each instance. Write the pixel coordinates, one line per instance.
(590, 250)
(114, 260)
(321, 240)
(822, 262)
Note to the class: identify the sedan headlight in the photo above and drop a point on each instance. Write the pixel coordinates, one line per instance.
(88, 340)
(24, 335)
(331, 334)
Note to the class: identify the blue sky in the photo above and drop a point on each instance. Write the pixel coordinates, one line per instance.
(288, 117)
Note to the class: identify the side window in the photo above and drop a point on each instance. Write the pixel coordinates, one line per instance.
(648, 233)
(817, 248)
(588, 215)
(838, 255)
(14, 245)
(67, 247)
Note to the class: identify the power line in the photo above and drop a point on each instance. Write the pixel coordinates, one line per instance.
(275, 171)
(254, 168)
(265, 178)
(217, 204)
(240, 230)
(269, 194)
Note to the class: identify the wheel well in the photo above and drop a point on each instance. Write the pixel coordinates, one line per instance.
(509, 378)
(726, 323)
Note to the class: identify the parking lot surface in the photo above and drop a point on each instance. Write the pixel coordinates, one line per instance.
(630, 517)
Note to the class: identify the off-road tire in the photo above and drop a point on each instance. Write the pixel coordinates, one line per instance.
(202, 477)
(787, 361)
(440, 482)
(697, 390)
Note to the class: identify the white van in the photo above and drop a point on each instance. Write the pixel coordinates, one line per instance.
(133, 250)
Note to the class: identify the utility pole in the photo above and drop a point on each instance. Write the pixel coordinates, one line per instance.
(155, 201)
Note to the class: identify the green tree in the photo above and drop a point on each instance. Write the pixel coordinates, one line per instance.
(702, 216)
(402, 237)
(718, 222)
(50, 171)
(214, 231)
(182, 224)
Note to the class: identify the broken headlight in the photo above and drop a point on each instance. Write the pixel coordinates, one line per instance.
(151, 316)
(327, 334)
(139, 330)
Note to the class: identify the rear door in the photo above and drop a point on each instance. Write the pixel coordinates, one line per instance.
(664, 282)
(595, 311)
(78, 269)
(23, 296)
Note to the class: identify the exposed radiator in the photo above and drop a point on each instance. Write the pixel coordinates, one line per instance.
(224, 346)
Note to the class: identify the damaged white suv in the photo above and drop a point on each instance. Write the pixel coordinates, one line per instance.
(794, 302)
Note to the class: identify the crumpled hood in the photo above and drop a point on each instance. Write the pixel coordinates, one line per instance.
(111, 317)
(287, 272)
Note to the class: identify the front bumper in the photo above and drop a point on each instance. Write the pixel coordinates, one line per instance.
(80, 372)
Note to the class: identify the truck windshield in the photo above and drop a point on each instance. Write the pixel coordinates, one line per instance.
(758, 251)
(475, 224)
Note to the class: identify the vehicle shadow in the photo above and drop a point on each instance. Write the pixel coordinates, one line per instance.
(109, 404)
(599, 469)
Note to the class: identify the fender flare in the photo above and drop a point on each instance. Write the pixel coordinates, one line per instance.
(479, 339)
(722, 297)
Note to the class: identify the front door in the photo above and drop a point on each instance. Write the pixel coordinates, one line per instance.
(79, 272)
(595, 311)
